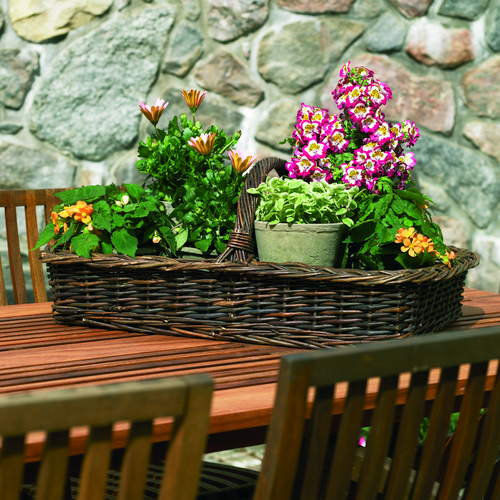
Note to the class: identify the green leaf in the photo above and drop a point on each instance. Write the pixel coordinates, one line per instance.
(118, 220)
(203, 245)
(363, 231)
(101, 218)
(220, 246)
(46, 236)
(84, 244)
(125, 242)
(181, 237)
(68, 234)
(86, 193)
(135, 191)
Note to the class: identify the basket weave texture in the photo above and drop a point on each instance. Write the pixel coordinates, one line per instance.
(237, 298)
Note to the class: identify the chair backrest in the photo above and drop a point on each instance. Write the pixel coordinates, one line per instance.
(302, 461)
(29, 199)
(187, 399)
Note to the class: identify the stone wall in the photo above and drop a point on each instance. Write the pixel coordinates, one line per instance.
(72, 75)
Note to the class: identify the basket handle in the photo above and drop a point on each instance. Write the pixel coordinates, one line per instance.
(240, 246)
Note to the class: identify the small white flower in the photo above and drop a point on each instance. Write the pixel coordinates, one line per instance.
(156, 239)
(125, 199)
(90, 227)
(119, 203)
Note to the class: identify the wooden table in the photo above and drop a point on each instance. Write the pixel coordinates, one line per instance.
(36, 353)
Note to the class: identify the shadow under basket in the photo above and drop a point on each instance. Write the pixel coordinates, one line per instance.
(234, 297)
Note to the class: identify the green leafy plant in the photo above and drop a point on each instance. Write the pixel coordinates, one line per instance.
(296, 202)
(191, 168)
(104, 219)
(371, 242)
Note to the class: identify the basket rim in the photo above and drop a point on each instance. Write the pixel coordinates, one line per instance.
(465, 260)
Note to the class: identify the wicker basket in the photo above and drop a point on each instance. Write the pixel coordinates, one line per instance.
(236, 298)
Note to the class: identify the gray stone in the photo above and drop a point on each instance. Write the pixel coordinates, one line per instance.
(88, 100)
(487, 275)
(441, 201)
(278, 124)
(368, 9)
(469, 178)
(493, 27)
(224, 74)
(185, 49)
(211, 112)
(39, 21)
(454, 232)
(465, 9)
(486, 136)
(433, 44)
(412, 8)
(388, 34)
(425, 100)
(125, 171)
(121, 4)
(302, 52)
(17, 71)
(229, 19)
(10, 128)
(192, 9)
(481, 86)
(316, 6)
(27, 168)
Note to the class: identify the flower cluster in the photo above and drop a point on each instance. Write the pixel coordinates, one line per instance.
(81, 212)
(415, 243)
(359, 141)
(361, 96)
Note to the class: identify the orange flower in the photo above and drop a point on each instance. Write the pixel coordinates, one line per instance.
(447, 258)
(153, 113)
(54, 217)
(193, 99)
(241, 160)
(82, 211)
(65, 227)
(413, 246)
(404, 233)
(427, 243)
(203, 144)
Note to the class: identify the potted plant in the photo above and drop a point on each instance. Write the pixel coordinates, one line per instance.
(303, 222)
(389, 223)
(192, 169)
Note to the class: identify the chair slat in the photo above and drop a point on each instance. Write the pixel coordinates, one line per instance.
(37, 278)
(379, 439)
(52, 476)
(11, 467)
(436, 435)
(347, 441)
(3, 293)
(489, 443)
(183, 460)
(465, 433)
(317, 444)
(15, 260)
(95, 464)
(285, 434)
(135, 462)
(407, 439)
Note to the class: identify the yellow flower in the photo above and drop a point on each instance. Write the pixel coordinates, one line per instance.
(203, 144)
(153, 113)
(193, 99)
(54, 217)
(413, 246)
(241, 160)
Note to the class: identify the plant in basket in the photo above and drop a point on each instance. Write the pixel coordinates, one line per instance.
(389, 223)
(193, 169)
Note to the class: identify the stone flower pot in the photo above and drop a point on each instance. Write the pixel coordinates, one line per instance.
(313, 244)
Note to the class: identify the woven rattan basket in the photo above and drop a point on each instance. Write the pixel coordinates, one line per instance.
(237, 298)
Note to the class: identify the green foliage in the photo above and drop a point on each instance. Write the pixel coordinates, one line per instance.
(370, 241)
(203, 190)
(296, 201)
(121, 222)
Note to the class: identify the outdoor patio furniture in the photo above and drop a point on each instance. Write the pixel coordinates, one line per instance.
(29, 199)
(297, 463)
(187, 399)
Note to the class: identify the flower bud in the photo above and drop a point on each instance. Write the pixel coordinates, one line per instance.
(90, 227)
(156, 239)
(119, 203)
(125, 199)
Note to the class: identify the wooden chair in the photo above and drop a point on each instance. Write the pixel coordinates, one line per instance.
(29, 199)
(186, 398)
(301, 463)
